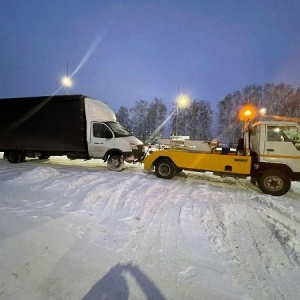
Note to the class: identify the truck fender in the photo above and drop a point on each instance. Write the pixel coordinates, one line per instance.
(262, 167)
(111, 152)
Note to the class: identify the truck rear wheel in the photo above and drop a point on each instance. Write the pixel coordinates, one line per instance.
(14, 157)
(165, 169)
(274, 182)
(43, 156)
(115, 163)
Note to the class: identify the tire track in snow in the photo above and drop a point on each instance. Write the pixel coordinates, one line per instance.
(284, 226)
(250, 260)
(253, 245)
(227, 225)
(106, 198)
(152, 214)
(155, 236)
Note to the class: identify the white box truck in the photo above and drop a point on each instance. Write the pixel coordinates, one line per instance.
(72, 125)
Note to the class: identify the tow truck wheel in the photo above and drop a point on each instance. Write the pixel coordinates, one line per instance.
(165, 169)
(274, 182)
(14, 157)
(115, 163)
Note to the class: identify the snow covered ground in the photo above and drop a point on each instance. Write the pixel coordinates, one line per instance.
(74, 230)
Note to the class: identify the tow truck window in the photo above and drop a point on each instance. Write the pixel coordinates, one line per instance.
(274, 134)
(293, 135)
(284, 134)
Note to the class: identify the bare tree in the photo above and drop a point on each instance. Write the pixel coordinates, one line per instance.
(156, 117)
(124, 118)
(139, 118)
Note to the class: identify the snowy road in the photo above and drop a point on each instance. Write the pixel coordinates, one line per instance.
(73, 230)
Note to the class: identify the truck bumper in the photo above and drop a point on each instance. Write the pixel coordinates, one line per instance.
(136, 155)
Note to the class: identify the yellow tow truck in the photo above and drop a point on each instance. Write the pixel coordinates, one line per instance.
(268, 152)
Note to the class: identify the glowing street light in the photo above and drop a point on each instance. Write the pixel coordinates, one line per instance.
(182, 102)
(67, 82)
(263, 111)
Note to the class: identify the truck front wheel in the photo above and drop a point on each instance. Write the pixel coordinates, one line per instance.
(165, 169)
(14, 157)
(115, 163)
(274, 182)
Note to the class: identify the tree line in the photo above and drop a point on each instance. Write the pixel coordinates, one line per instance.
(147, 120)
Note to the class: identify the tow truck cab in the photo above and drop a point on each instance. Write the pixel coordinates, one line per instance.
(276, 145)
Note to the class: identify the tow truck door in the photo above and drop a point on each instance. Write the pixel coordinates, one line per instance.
(278, 148)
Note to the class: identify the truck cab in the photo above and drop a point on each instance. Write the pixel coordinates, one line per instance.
(277, 142)
(113, 143)
(275, 149)
(108, 139)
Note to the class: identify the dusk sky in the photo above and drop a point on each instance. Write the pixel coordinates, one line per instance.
(123, 51)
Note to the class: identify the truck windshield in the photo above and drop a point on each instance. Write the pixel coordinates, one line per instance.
(118, 129)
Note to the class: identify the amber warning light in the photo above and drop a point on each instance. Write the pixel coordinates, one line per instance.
(247, 112)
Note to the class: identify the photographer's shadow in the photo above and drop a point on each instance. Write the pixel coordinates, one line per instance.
(113, 286)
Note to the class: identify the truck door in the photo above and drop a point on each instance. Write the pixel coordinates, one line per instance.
(280, 146)
(102, 139)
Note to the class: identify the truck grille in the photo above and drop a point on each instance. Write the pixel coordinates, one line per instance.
(139, 153)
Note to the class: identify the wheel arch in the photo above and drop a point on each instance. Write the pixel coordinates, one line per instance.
(279, 167)
(160, 158)
(113, 151)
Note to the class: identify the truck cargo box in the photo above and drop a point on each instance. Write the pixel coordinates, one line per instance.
(55, 123)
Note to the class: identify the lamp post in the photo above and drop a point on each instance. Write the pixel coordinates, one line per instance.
(66, 80)
(182, 102)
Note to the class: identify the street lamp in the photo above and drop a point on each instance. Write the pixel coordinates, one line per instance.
(67, 82)
(263, 111)
(182, 101)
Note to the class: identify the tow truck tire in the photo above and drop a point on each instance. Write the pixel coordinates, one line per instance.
(274, 182)
(115, 163)
(165, 169)
(14, 157)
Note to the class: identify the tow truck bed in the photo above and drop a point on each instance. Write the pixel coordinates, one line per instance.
(226, 164)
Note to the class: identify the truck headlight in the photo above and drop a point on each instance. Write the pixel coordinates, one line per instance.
(133, 146)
